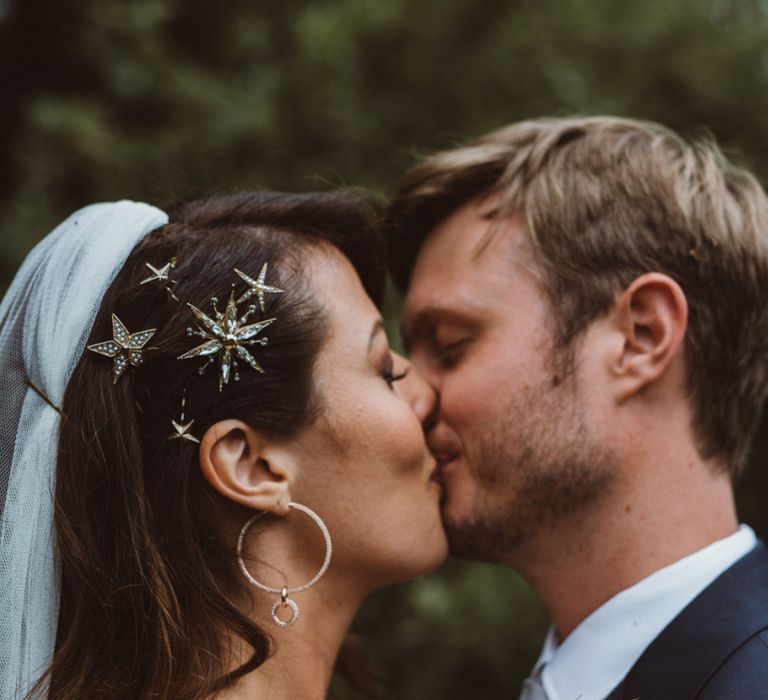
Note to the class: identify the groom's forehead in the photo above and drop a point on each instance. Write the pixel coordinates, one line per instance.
(469, 261)
(470, 243)
(451, 294)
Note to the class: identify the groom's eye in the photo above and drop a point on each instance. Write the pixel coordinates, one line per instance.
(448, 354)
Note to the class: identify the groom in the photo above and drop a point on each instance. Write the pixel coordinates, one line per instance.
(589, 298)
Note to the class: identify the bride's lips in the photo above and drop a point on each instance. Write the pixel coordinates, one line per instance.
(443, 460)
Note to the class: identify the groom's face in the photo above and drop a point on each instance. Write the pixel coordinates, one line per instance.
(513, 436)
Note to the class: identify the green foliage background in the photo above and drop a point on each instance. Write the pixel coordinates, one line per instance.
(164, 99)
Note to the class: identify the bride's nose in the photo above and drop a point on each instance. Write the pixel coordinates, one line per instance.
(416, 391)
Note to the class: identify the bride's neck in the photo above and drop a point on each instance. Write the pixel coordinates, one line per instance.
(304, 654)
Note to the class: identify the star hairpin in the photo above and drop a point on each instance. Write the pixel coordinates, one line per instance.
(257, 287)
(124, 347)
(161, 274)
(181, 429)
(227, 336)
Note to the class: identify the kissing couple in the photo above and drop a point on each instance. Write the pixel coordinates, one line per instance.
(210, 455)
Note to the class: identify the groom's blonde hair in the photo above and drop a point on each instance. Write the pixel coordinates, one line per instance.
(606, 200)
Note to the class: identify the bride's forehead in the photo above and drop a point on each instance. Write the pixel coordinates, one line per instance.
(336, 282)
(350, 312)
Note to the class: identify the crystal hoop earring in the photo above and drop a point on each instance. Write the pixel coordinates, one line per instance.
(285, 601)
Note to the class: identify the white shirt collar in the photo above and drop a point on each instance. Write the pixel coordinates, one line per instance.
(600, 652)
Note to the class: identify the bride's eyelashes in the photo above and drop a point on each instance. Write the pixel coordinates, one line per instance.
(387, 372)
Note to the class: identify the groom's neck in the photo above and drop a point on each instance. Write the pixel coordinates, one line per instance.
(666, 512)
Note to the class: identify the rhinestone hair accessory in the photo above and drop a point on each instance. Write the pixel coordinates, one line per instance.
(162, 275)
(124, 347)
(257, 287)
(229, 335)
(180, 428)
(284, 601)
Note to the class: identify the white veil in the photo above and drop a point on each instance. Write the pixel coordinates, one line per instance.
(45, 320)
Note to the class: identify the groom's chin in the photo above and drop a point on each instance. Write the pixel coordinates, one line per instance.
(480, 539)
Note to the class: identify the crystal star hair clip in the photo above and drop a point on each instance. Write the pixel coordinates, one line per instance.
(125, 348)
(256, 287)
(162, 275)
(227, 335)
(180, 427)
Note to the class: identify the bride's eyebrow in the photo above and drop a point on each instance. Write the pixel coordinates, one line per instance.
(378, 327)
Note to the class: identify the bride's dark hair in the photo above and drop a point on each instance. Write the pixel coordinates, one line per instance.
(147, 579)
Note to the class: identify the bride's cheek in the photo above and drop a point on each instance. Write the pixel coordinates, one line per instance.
(411, 444)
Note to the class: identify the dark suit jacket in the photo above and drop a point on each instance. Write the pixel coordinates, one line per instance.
(716, 648)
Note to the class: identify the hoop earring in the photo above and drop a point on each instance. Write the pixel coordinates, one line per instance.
(285, 601)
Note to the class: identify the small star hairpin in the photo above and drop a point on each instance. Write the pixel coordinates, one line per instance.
(257, 287)
(227, 336)
(161, 274)
(181, 429)
(124, 347)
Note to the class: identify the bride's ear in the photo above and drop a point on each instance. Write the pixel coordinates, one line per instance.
(245, 467)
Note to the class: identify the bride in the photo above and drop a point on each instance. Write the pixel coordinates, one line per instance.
(209, 458)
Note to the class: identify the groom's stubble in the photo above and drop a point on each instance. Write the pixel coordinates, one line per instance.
(536, 466)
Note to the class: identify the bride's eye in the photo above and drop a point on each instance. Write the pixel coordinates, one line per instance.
(387, 372)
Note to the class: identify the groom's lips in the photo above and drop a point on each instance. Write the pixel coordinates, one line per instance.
(443, 460)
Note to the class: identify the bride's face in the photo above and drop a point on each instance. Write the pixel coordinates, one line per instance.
(365, 466)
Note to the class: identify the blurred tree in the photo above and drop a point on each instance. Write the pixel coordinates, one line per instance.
(163, 99)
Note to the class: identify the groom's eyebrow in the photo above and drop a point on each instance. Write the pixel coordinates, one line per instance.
(417, 325)
(378, 327)
(414, 327)
(423, 323)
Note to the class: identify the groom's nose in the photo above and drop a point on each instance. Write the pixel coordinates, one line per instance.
(417, 392)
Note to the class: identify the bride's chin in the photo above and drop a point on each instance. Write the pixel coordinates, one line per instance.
(430, 557)
(438, 551)
(439, 559)
(441, 547)
(442, 550)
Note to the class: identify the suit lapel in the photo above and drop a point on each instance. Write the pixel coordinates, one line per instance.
(692, 647)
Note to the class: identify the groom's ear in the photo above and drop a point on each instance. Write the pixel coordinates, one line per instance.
(649, 318)
(246, 467)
